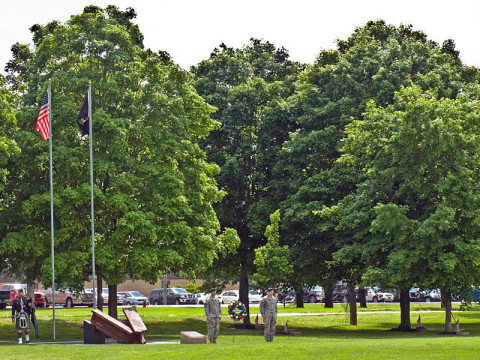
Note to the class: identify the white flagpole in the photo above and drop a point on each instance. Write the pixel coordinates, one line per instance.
(51, 198)
(92, 215)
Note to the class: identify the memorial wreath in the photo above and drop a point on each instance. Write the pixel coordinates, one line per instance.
(237, 310)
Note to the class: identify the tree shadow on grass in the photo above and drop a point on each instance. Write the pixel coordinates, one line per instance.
(64, 330)
(170, 330)
(161, 330)
(351, 332)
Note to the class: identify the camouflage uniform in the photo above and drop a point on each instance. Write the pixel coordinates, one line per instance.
(268, 309)
(213, 312)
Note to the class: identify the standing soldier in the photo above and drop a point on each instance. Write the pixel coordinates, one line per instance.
(213, 312)
(21, 310)
(268, 309)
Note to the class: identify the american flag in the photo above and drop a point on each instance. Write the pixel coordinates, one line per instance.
(43, 121)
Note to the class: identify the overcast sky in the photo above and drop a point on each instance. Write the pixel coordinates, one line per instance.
(190, 29)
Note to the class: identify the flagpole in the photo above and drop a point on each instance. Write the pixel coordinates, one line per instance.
(92, 215)
(51, 199)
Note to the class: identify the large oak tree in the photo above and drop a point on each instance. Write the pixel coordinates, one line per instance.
(248, 86)
(153, 188)
(418, 207)
(374, 62)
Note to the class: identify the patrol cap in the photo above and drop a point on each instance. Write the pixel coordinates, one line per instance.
(270, 289)
(212, 289)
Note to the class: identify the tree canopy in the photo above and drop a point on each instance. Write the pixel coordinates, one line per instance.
(369, 157)
(374, 62)
(416, 214)
(8, 147)
(154, 190)
(248, 87)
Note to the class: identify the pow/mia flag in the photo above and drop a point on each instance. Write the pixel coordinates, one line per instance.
(82, 118)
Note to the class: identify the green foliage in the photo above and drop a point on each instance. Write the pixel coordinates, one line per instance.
(415, 215)
(374, 62)
(248, 87)
(272, 260)
(153, 188)
(193, 288)
(8, 146)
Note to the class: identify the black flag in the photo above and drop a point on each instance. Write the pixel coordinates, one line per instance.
(82, 118)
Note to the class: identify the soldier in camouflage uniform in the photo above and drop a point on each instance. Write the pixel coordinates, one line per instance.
(268, 309)
(213, 312)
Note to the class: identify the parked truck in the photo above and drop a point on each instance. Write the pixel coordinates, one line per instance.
(68, 298)
(12, 290)
(5, 299)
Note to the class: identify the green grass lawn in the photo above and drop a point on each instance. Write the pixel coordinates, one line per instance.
(326, 336)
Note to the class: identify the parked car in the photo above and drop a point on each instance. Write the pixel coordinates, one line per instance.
(105, 295)
(473, 295)
(432, 295)
(476, 294)
(386, 296)
(233, 295)
(68, 298)
(176, 296)
(155, 297)
(395, 294)
(228, 296)
(414, 294)
(40, 300)
(286, 295)
(314, 294)
(340, 293)
(254, 297)
(376, 295)
(13, 289)
(133, 298)
(371, 294)
(310, 295)
(5, 299)
(201, 297)
(424, 295)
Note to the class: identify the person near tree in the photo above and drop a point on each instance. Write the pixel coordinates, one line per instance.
(22, 308)
(268, 309)
(213, 312)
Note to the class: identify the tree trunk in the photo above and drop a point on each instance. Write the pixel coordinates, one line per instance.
(404, 311)
(353, 305)
(362, 298)
(99, 292)
(447, 302)
(329, 296)
(112, 301)
(299, 298)
(243, 292)
(165, 294)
